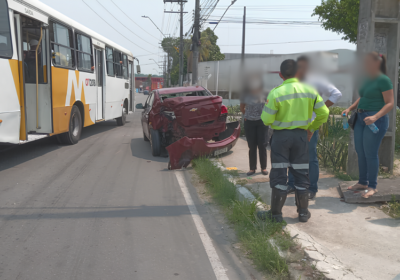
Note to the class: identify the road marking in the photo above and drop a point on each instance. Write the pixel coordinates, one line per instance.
(216, 264)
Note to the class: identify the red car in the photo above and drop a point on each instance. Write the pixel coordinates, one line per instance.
(189, 122)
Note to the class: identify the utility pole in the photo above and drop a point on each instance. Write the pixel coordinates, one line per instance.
(165, 73)
(196, 43)
(244, 33)
(180, 78)
(169, 71)
(181, 50)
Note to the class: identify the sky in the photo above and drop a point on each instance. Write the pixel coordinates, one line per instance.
(121, 21)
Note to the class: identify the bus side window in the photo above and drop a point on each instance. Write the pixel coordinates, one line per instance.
(117, 64)
(110, 62)
(125, 66)
(84, 53)
(6, 50)
(62, 46)
(34, 51)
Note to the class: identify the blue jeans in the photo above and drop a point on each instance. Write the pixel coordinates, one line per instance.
(313, 172)
(367, 146)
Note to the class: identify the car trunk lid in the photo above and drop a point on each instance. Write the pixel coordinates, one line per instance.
(194, 110)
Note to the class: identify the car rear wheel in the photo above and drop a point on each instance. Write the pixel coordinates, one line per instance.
(155, 142)
(75, 128)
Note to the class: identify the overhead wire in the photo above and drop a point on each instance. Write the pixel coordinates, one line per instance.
(124, 24)
(208, 13)
(132, 20)
(161, 56)
(146, 54)
(169, 18)
(277, 43)
(263, 21)
(115, 28)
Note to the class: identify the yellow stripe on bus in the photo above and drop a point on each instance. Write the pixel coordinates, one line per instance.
(61, 113)
(16, 70)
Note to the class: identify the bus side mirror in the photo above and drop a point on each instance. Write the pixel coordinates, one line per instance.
(138, 69)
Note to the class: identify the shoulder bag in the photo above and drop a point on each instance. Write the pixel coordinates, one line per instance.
(353, 119)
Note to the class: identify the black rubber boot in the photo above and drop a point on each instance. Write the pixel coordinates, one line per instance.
(302, 205)
(278, 198)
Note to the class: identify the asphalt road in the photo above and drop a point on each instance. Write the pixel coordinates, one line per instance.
(102, 209)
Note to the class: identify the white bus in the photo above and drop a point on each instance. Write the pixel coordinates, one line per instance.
(56, 75)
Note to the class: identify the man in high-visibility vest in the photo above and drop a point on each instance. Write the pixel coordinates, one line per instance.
(288, 110)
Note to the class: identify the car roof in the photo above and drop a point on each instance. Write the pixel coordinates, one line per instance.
(179, 89)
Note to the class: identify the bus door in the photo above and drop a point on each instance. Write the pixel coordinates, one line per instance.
(36, 65)
(99, 54)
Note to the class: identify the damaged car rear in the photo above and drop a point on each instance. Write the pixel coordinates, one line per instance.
(188, 122)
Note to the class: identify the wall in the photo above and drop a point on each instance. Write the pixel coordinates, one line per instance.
(230, 73)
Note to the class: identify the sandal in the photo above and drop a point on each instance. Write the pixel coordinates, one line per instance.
(251, 172)
(369, 193)
(264, 172)
(357, 187)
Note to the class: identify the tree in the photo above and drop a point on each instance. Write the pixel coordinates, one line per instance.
(209, 51)
(214, 52)
(340, 16)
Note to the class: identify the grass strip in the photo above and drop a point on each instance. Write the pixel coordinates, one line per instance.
(392, 208)
(257, 237)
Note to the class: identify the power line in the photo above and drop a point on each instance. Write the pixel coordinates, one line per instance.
(274, 28)
(269, 7)
(147, 64)
(208, 11)
(132, 20)
(295, 42)
(146, 54)
(123, 24)
(162, 28)
(275, 22)
(114, 28)
(169, 18)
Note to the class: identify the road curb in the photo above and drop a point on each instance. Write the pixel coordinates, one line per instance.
(323, 259)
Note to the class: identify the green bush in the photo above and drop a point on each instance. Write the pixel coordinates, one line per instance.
(333, 145)
(234, 110)
(234, 114)
(397, 132)
(336, 110)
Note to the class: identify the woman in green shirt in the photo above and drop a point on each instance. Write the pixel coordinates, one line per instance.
(375, 102)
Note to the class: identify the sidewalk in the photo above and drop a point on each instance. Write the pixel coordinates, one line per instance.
(359, 238)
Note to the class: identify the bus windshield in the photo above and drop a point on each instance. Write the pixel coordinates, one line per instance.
(5, 33)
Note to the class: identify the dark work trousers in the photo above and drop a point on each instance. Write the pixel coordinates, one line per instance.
(289, 149)
(256, 133)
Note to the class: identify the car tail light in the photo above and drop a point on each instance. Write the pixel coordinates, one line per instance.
(224, 110)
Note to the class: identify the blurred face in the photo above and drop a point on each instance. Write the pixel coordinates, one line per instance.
(302, 68)
(371, 65)
(254, 84)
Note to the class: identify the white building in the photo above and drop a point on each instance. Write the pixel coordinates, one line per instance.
(224, 77)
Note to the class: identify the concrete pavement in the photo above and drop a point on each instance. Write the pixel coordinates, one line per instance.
(102, 209)
(341, 237)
